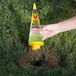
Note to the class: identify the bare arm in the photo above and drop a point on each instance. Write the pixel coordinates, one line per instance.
(53, 29)
(67, 24)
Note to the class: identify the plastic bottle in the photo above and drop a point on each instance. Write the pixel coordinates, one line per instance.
(35, 38)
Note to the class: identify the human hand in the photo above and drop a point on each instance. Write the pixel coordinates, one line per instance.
(53, 29)
(49, 30)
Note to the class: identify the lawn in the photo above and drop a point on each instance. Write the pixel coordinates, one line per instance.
(15, 20)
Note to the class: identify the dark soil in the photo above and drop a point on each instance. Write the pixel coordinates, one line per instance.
(35, 59)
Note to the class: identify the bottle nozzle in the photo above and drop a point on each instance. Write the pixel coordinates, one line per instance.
(35, 47)
(34, 6)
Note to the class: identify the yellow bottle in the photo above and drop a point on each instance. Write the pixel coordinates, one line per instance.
(35, 38)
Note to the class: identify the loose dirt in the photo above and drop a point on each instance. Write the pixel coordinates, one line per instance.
(35, 59)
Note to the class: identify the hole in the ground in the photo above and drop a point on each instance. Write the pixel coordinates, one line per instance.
(35, 59)
(36, 63)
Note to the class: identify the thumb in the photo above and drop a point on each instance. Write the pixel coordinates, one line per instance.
(42, 26)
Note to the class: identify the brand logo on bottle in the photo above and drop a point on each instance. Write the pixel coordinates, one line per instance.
(35, 16)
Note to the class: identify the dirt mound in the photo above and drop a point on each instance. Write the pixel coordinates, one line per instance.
(35, 59)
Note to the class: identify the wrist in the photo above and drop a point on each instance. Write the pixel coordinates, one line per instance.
(59, 27)
(53, 27)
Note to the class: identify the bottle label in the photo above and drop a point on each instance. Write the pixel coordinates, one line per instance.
(35, 36)
(35, 21)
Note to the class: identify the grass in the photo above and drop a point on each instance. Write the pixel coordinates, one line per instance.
(15, 19)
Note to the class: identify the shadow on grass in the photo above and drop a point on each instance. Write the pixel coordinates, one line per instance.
(23, 28)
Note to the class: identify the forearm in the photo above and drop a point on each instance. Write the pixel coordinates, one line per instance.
(67, 24)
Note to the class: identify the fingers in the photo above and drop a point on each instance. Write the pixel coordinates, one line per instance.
(46, 34)
(45, 37)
